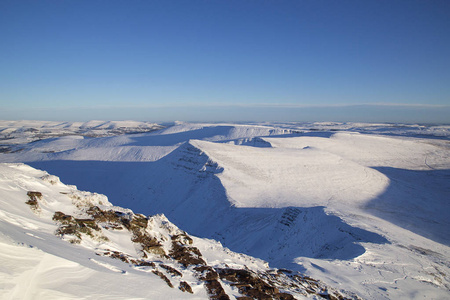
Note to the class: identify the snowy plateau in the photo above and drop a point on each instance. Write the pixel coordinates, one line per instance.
(138, 210)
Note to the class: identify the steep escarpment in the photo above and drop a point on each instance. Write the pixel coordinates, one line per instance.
(119, 240)
(187, 186)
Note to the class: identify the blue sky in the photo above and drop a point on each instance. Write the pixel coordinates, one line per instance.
(225, 60)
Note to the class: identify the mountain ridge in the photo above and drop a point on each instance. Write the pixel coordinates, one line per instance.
(155, 246)
(303, 204)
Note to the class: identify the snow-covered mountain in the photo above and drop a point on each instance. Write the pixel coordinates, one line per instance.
(362, 207)
(61, 243)
(19, 132)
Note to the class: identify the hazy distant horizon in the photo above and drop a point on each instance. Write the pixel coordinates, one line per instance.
(366, 113)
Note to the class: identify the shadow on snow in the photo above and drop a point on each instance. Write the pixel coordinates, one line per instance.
(417, 201)
(182, 185)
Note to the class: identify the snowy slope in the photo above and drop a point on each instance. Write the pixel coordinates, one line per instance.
(114, 145)
(366, 212)
(57, 242)
(39, 265)
(276, 177)
(18, 132)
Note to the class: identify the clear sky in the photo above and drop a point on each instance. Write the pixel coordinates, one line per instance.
(225, 60)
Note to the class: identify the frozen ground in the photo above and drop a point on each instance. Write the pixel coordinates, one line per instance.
(362, 207)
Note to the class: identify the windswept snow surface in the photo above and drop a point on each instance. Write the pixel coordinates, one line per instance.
(36, 264)
(363, 207)
(105, 258)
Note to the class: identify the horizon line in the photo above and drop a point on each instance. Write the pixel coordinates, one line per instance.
(245, 105)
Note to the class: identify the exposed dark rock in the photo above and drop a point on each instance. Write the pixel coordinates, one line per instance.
(206, 273)
(215, 290)
(171, 270)
(34, 195)
(183, 238)
(272, 284)
(119, 255)
(127, 259)
(137, 225)
(138, 222)
(143, 263)
(63, 218)
(289, 216)
(251, 284)
(111, 219)
(163, 277)
(88, 223)
(185, 255)
(33, 200)
(73, 226)
(283, 296)
(287, 280)
(148, 243)
(211, 279)
(185, 287)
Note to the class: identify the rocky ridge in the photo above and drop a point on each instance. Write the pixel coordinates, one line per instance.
(162, 249)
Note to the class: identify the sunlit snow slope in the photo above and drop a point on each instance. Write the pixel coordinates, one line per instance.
(57, 242)
(364, 206)
(36, 264)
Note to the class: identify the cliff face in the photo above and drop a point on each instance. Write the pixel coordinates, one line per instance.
(39, 206)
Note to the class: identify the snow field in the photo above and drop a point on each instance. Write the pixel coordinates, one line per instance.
(366, 213)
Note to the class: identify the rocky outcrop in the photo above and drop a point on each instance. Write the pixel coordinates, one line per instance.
(183, 253)
(185, 287)
(168, 253)
(33, 200)
(75, 227)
